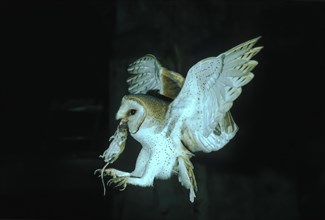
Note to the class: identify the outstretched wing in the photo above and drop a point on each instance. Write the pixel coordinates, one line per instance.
(210, 88)
(148, 74)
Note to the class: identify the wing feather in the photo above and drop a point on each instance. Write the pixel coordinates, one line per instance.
(210, 88)
(147, 74)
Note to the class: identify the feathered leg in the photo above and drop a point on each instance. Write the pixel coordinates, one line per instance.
(149, 169)
(139, 168)
(119, 177)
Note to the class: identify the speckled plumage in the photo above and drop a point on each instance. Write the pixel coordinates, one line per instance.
(196, 119)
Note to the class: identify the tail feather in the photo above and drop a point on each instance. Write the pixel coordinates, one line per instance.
(186, 175)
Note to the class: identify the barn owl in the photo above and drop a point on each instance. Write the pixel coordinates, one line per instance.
(195, 116)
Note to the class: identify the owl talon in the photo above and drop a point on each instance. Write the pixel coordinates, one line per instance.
(122, 182)
(119, 181)
(109, 182)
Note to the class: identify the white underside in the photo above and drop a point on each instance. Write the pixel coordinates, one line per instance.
(158, 154)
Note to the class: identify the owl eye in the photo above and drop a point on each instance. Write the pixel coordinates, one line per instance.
(133, 111)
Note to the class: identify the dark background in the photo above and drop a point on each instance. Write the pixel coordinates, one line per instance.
(62, 76)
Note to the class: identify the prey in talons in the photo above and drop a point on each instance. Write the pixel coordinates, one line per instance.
(113, 152)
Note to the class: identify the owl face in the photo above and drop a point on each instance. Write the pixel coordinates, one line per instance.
(132, 112)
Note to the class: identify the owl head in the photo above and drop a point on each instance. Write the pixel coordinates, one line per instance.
(141, 111)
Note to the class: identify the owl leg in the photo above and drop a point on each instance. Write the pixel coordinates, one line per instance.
(149, 174)
(141, 176)
(122, 181)
(186, 175)
(146, 179)
(137, 172)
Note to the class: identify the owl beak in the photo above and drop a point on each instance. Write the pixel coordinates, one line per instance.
(124, 121)
(120, 115)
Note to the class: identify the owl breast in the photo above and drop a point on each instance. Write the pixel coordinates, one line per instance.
(163, 149)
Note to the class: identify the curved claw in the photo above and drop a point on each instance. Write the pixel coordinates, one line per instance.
(97, 171)
(109, 182)
(119, 181)
(124, 187)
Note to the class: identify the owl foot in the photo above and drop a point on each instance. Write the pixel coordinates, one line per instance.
(105, 172)
(115, 173)
(119, 182)
(110, 172)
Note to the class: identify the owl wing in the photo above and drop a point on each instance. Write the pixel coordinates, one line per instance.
(148, 74)
(210, 88)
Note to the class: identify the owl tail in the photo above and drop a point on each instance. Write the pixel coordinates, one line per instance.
(186, 175)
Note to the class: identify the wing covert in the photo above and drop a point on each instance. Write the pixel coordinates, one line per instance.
(210, 88)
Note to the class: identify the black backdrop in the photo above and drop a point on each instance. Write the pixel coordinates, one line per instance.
(63, 71)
